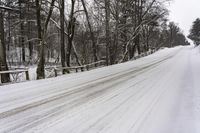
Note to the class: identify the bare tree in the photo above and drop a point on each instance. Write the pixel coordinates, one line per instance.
(41, 36)
(62, 33)
(107, 29)
(3, 65)
(22, 29)
(70, 32)
(91, 31)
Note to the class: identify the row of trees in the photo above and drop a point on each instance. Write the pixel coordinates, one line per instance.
(76, 32)
(195, 32)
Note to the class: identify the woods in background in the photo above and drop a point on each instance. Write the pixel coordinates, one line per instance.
(78, 32)
(195, 32)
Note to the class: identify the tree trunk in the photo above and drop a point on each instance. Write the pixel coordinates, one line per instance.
(30, 45)
(69, 49)
(40, 68)
(62, 34)
(91, 32)
(42, 36)
(107, 17)
(76, 55)
(137, 43)
(124, 22)
(9, 32)
(70, 31)
(116, 34)
(3, 64)
(138, 21)
(22, 32)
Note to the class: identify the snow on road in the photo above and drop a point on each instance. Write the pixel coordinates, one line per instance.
(156, 94)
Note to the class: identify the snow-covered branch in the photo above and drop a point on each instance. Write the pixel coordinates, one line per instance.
(8, 8)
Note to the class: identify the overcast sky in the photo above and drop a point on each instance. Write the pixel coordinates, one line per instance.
(184, 12)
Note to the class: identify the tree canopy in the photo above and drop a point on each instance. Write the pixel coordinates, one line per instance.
(195, 32)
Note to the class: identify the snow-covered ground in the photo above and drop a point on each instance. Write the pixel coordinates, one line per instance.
(159, 93)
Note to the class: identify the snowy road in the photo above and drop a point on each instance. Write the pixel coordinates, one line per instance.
(156, 94)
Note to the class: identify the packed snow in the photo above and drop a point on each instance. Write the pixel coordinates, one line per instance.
(159, 93)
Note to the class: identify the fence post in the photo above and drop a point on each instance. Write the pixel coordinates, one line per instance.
(82, 69)
(27, 75)
(87, 67)
(55, 72)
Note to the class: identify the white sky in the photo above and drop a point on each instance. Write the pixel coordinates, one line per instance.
(184, 12)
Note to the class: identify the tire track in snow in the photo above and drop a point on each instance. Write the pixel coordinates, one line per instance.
(77, 89)
(113, 110)
(84, 87)
(140, 94)
(80, 100)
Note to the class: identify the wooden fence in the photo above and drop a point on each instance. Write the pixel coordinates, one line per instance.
(144, 54)
(55, 70)
(14, 73)
(79, 68)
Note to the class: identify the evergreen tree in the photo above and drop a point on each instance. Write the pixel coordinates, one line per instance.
(195, 32)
